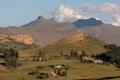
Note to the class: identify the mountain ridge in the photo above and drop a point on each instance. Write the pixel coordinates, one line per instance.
(105, 32)
(43, 31)
(87, 22)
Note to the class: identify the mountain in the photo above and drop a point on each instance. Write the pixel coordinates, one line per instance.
(105, 32)
(43, 31)
(77, 41)
(87, 22)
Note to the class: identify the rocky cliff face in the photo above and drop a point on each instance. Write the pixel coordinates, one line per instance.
(23, 38)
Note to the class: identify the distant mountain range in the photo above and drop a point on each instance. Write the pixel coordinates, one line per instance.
(105, 32)
(46, 31)
(87, 22)
(97, 28)
(43, 31)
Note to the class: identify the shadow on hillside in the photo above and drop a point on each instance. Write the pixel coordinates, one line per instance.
(104, 78)
(3, 64)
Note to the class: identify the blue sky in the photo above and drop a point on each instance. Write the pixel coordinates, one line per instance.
(19, 12)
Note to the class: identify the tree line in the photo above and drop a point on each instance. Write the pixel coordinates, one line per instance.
(112, 54)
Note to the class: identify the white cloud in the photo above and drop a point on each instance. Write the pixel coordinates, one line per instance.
(117, 20)
(105, 8)
(65, 14)
(112, 10)
(109, 8)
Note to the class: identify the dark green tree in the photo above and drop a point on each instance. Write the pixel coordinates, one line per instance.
(11, 57)
(83, 53)
(75, 53)
(71, 53)
(61, 53)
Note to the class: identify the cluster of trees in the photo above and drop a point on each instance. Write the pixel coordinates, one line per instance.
(11, 56)
(75, 53)
(39, 56)
(111, 55)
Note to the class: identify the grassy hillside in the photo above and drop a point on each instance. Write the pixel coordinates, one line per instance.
(77, 42)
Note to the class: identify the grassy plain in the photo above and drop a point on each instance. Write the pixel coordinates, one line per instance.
(77, 70)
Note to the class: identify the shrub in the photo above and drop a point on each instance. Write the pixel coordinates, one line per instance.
(40, 67)
(43, 76)
(33, 72)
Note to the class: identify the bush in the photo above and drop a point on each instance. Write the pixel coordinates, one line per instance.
(43, 76)
(64, 73)
(33, 72)
(40, 67)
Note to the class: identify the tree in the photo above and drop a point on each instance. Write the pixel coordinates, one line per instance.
(71, 53)
(75, 53)
(41, 54)
(92, 55)
(83, 53)
(61, 53)
(11, 57)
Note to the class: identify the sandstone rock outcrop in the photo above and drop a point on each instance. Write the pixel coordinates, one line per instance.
(23, 38)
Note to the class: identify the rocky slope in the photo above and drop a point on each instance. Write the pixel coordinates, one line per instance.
(23, 38)
(16, 41)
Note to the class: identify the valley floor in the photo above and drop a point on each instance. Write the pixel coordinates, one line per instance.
(77, 71)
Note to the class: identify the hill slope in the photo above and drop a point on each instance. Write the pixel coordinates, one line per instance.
(43, 31)
(79, 42)
(105, 32)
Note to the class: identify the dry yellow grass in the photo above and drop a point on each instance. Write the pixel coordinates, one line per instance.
(77, 71)
(77, 42)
